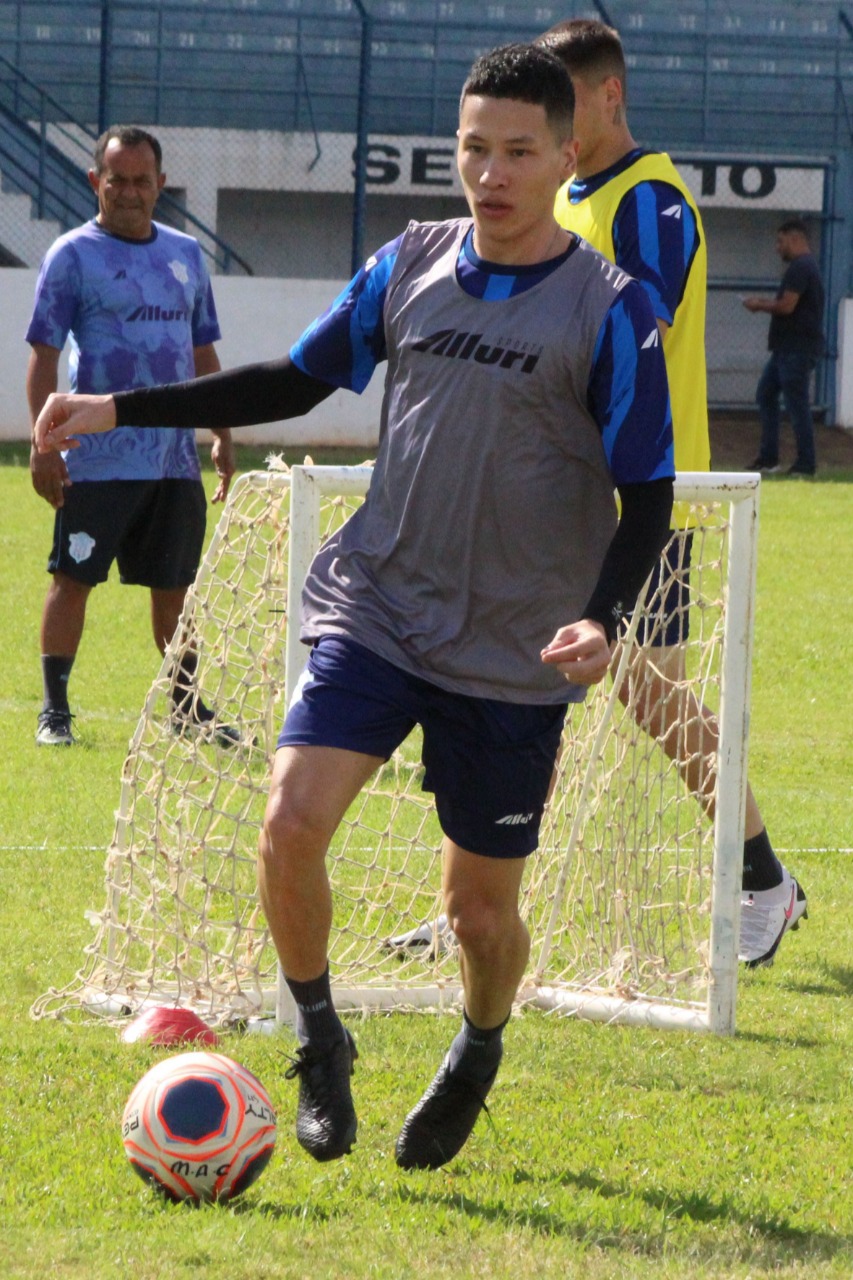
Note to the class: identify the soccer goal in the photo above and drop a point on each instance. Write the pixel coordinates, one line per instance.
(632, 899)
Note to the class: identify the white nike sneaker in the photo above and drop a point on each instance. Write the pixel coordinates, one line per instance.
(434, 938)
(54, 729)
(765, 918)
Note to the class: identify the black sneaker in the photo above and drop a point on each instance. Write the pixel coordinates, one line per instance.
(325, 1117)
(802, 472)
(440, 1125)
(54, 729)
(766, 468)
(200, 721)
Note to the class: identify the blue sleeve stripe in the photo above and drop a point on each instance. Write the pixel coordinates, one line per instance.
(690, 235)
(366, 321)
(296, 355)
(624, 376)
(647, 223)
(665, 469)
(656, 298)
(343, 346)
(628, 394)
(655, 237)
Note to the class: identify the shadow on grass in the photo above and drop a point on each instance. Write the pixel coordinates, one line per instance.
(773, 1235)
(308, 1212)
(838, 982)
(780, 1040)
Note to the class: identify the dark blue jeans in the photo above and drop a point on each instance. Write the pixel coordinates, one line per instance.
(786, 375)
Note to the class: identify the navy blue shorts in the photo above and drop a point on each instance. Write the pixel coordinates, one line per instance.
(154, 529)
(488, 763)
(668, 606)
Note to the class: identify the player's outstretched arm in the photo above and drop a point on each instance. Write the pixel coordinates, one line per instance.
(65, 416)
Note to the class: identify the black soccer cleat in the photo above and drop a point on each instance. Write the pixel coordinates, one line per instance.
(440, 1125)
(325, 1117)
(200, 721)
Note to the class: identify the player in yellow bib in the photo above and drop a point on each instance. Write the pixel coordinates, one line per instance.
(593, 212)
(633, 207)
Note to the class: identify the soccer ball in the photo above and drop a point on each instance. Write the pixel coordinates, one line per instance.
(198, 1126)
(164, 1026)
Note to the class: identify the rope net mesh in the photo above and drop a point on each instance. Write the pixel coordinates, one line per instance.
(616, 898)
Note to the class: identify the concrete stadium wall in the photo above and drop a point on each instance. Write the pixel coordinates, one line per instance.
(259, 318)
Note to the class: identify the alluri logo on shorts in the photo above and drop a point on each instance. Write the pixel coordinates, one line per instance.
(80, 546)
(461, 345)
(514, 820)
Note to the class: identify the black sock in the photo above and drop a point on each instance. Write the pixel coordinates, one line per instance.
(186, 699)
(183, 682)
(761, 868)
(476, 1054)
(55, 675)
(316, 1021)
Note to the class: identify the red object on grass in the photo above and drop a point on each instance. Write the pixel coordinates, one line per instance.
(165, 1026)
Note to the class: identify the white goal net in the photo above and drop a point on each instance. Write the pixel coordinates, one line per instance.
(632, 899)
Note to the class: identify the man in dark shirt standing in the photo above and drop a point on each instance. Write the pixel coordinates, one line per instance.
(796, 343)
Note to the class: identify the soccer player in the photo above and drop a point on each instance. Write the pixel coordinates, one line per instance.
(476, 591)
(136, 300)
(632, 205)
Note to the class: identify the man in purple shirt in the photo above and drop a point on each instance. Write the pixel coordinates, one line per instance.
(135, 300)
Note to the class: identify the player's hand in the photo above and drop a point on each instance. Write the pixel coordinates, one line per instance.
(752, 304)
(581, 651)
(50, 477)
(224, 460)
(65, 416)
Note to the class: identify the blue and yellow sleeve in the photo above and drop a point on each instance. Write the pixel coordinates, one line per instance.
(655, 238)
(628, 393)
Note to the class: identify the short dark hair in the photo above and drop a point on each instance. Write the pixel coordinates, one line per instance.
(793, 224)
(527, 73)
(128, 135)
(587, 48)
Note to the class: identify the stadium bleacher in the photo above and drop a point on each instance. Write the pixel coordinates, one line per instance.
(725, 75)
(713, 82)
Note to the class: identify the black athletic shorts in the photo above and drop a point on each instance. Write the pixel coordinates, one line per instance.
(154, 529)
(488, 763)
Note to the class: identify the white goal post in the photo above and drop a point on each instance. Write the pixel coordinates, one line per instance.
(632, 899)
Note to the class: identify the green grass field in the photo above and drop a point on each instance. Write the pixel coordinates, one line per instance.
(611, 1152)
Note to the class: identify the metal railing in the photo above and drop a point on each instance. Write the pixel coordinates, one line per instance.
(45, 153)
